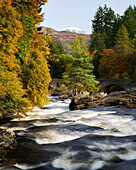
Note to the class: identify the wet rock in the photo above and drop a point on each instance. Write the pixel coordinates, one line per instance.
(127, 100)
(44, 107)
(63, 97)
(117, 99)
(116, 93)
(62, 94)
(7, 139)
(81, 102)
(7, 143)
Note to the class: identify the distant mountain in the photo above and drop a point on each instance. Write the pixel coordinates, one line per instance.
(66, 36)
(75, 30)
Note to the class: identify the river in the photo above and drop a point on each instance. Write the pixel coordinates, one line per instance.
(55, 138)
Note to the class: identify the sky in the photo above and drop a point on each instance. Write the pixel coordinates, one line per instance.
(62, 14)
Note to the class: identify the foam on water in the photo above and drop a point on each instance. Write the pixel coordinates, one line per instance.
(65, 161)
(52, 136)
(25, 167)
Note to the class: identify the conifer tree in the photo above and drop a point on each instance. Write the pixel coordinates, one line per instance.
(129, 20)
(105, 21)
(97, 42)
(79, 72)
(122, 42)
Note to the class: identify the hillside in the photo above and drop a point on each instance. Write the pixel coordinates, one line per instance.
(66, 37)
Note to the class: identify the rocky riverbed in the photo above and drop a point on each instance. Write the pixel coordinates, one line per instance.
(115, 99)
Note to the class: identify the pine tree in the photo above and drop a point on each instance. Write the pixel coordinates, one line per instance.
(129, 20)
(122, 44)
(97, 23)
(97, 42)
(105, 21)
(79, 72)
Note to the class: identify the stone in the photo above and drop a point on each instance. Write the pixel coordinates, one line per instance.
(82, 102)
(116, 99)
(7, 139)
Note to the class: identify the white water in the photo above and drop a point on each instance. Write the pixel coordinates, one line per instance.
(76, 127)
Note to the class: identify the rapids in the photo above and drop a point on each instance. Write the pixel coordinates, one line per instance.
(55, 138)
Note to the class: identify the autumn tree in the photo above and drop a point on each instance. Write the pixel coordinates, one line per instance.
(20, 56)
(131, 70)
(112, 65)
(79, 71)
(13, 98)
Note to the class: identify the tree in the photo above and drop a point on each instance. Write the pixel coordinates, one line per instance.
(12, 94)
(24, 70)
(13, 98)
(111, 64)
(105, 21)
(57, 59)
(96, 61)
(79, 72)
(123, 44)
(129, 20)
(97, 42)
(131, 60)
(134, 41)
(98, 21)
(36, 73)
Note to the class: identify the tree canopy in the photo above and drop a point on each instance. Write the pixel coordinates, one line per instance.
(24, 73)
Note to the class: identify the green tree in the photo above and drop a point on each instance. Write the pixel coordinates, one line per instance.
(134, 41)
(96, 57)
(79, 71)
(129, 20)
(98, 21)
(58, 58)
(97, 42)
(105, 21)
(123, 44)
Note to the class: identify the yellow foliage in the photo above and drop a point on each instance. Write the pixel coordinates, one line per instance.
(12, 94)
(39, 76)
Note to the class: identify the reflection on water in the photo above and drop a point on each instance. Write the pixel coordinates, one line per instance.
(56, 138)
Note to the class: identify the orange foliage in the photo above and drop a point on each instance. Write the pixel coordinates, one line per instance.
(32, 73)
(112, 65)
